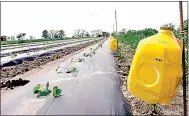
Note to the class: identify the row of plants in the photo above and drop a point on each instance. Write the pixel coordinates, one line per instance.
(92, 52)
(42, 90)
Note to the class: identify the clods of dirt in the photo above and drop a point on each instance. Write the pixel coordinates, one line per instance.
(11, 84)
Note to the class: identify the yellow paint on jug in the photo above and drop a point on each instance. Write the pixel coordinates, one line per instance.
(113, 43)
(156, 69)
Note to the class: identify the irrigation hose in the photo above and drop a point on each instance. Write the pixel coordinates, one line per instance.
(183, 58)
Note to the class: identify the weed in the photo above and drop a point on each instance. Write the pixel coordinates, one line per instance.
(72, 69)
(81, 60)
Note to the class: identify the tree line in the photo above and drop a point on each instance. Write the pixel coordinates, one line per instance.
(50, 34)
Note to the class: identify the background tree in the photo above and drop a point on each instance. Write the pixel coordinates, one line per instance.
(113, 33)
(45, 34)
(96, 33)
(62, 33)
(83, 32)
(20, 36)
(12, 38)
(87, 34)
(56, 34)
(3, 38)
(123, 31)
(77, 33)
(108, 34)
(105, 34)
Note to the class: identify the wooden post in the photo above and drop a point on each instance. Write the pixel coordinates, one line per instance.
(183, 57)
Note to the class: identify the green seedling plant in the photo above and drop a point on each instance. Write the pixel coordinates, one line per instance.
(36, 89)
(41, 93)
(57, 92)
(93, 52)
(85, 55)
(89, 54)
(72, 69)
(81, 60)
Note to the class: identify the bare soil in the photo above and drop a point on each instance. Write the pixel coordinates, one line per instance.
(124, 57)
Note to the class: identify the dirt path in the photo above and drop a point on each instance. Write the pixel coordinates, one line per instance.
(123, 58)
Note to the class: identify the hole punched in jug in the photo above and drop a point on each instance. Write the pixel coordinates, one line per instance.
(157, 59)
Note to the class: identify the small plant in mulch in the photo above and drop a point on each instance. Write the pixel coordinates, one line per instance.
(72, 69)
(81, 60)
(90, 54)
(93, 52)
(44, 92)
(87, 54)
(36, 89)
(57, 92)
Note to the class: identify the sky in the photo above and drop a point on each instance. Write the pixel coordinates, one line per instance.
(34, 17)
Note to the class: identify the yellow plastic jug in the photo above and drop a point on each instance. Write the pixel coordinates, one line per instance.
(113, 43)
(156, 69)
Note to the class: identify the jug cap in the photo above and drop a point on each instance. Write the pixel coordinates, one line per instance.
(166, 28)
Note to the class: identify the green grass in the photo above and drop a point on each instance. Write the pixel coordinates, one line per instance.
(132, 37)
